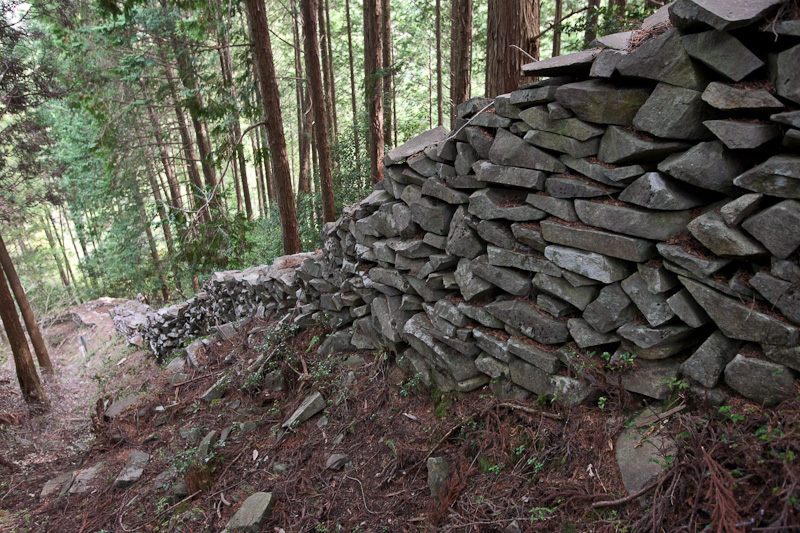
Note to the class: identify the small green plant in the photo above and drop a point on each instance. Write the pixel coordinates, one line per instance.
(540, 514)
(601, 402)
(735, 418)
(407, 386)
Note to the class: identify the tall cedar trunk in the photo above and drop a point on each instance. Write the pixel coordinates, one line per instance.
(174, 191)
(62, 218)
(266, 161)
(29, 384)
(327, 72)
(356, 145)
(39, 347)
(162, 212)
(557, 28)
(388, 77)
(61, 247)
(321, 129)
(439, 94)
(259, 178)
(306, 130)
(510, 23)
(272, 107)
(194, 104)
(335, 125)
(373, 64)
(188, 146)
(236, 129)
(151, 242)
(301, 95)
(591, 23)
(460, 54)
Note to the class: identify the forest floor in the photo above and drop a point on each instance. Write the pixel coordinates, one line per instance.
(513, 466)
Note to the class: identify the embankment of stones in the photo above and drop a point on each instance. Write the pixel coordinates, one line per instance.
(641, 197)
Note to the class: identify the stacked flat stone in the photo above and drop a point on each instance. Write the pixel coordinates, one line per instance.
(640, 198)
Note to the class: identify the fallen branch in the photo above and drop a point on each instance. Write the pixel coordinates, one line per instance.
(530, 410)
(647, 488)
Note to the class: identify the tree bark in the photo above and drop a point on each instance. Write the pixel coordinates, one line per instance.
(388, 69)
(321, 129)
(254, 141)
(188, 146)
(303, 111)
(335, 124)
(557, 28)
(272, 107)
(356, 145)
(29, 384)
(39, 346)
(591, 23)
(61, 247)
(460, 55)
(510, 23)
(373, 63)
(327, 71)
(439, 94)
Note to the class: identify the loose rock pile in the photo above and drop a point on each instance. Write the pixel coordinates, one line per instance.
(643, 198)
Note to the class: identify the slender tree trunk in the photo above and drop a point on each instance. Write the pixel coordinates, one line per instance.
(460, 55)
(39, 346)
(272, 107)
(61, 247)
(29, 384)
(356, 146)
(259, 177)
(388, 69)
(195, 105)
(510, 23)
(373, 63)
(335, 125)
(305, 147)
(188, 146)
(227, 70)
(321, 131)
(151, 242)
(301, 95)
(439, 94)
(327, 71)
(591, 23)
(557, 28)
(268, 187)
(54, 251)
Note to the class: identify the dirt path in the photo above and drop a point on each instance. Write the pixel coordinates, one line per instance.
(35, 444)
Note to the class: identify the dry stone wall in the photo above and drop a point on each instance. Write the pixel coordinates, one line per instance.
(642, 197)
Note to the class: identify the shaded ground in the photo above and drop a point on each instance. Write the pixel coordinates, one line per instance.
(529, 462)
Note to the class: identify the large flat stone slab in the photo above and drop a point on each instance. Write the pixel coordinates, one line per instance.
(777, 228)
(722, 53)
(490, 204)
(653, 306)
(601, 102)
(656, 342)
(673, 113)
(620, 146)
(562, 143)
(738, 135)
(539, 118)
(720, 14)
(255, 510)
(762, 381)
(655, 190)
(611, 309)
(578, 297)
(663, 59)
(739, 321)
(787, 77)
(727, 98)
(707, 165)
(415, 145)
(488, 172)
(724, 240)
(708, 362)
(594, 240)
(656, 225)
(590, 264)
(526, 317)
(575, 64)
(133, 469)
(508, 149)
(701, 267)
(313, 404)
(777, 176)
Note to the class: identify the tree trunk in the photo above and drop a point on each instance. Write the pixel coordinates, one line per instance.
(236, 130)
(301, 95)
(460, 55)
(151, 242)
(557, 28)
(188, 145)
(388, 68)
(356, 146)
(321, 130)
(29, 384)
(439, 95)
(194, 104)
(54, 251)
(61, 247)
(272, 107)
(327, 71)
(259, 178)
(510, 23)
(39, 346)
(591, 23)
(335, 124)
(373, 63)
